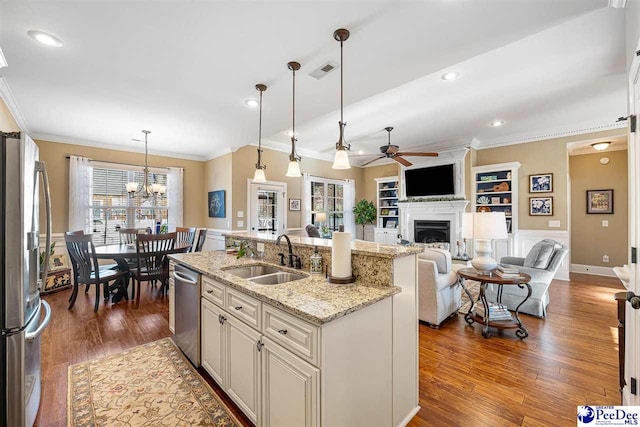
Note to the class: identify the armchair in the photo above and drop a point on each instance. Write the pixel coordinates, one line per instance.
(438, 287)
(541, 263)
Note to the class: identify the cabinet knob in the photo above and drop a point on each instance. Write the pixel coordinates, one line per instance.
(238, 307)
(282, 331)
(209, 291)
(222, 319)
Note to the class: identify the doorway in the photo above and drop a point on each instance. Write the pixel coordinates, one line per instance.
(267, 207)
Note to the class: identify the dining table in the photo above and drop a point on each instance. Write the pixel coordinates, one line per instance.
(122, 253)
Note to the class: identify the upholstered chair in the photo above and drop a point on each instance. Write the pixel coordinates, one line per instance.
(438, 287)
(541, 263)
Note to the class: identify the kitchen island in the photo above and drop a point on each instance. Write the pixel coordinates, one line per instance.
(307, 352)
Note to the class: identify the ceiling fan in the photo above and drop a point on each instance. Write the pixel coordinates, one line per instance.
(390, 151)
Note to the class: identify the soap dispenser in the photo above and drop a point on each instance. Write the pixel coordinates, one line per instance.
(315, 262)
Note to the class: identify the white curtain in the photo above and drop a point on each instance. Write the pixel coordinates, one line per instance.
(306, 202)
(80, 171)
(349, 201)
(174, 197)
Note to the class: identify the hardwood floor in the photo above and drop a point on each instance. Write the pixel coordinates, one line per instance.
(569, 358)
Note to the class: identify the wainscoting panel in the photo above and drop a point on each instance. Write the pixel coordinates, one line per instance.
(525, 240)
(215, 240)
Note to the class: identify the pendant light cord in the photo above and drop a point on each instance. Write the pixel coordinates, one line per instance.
(293, 127)
(341, 84)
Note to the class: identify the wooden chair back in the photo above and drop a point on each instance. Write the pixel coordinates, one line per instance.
(128, 235)
(202, 237)
(83, 257)
(186, 235)
(152, 252)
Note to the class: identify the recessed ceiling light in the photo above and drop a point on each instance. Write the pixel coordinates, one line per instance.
(251, 103)
(360, 152)
(496, 123)
(451, 75)
(601, 145)
(289, 133)
(44, 38)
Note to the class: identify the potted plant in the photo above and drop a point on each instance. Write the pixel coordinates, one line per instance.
(365, 213)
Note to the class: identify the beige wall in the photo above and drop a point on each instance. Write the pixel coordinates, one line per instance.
(218, 176)
(588, 174)
(54, 154)
(370, 173)
(244, 161)
(7, 123)
(549, 156)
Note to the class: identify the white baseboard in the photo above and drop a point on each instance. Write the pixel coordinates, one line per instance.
(596, 270)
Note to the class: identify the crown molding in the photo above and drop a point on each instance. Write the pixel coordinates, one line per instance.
(86, 143)
(10, 102)
(618, 4)
(3, 60)
(559, 132)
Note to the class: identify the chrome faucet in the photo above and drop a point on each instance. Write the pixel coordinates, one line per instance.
(297, 264)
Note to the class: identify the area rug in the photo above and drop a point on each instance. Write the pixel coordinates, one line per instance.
(474, 290)
(149, 385)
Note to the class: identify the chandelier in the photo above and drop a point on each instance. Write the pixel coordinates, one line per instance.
(147, 190)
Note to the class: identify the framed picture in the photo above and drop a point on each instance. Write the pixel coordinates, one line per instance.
(391, 223)
(599, 201)
(542, 183)
(58, 262)
(294, 204)
(541, 206)
(217, 204)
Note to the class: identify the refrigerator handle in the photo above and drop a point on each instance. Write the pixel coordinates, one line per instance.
(42, 168)
(30, 336)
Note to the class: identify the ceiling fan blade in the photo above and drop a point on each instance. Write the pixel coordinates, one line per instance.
(402, 161)
(417, 154)
(371, 161)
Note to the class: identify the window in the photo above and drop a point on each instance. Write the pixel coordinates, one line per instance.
(327, 196)
(111, 208)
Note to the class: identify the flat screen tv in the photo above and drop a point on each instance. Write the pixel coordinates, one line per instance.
(431, 181)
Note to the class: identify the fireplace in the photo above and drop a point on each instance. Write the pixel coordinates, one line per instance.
(431, 231)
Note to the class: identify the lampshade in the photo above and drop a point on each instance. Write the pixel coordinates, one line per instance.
(259, 176)
(341, 160)
(293, 170)
(131, 187)
(321, 216)
(484, 225)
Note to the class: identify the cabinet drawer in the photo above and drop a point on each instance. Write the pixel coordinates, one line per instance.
(292, 333)
(213, 290)
(244, 307)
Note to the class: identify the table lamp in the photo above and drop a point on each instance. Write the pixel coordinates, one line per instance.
(482, 227)
(321, 218)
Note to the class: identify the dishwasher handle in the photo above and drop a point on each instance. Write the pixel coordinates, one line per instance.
(183, 278)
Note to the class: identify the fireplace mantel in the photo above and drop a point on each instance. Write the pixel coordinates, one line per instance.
(445, 210)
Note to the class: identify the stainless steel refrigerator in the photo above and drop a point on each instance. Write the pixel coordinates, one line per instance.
(23, 315)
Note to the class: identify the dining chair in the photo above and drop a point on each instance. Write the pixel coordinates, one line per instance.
(128, 235)
(74, 266)
(202, 237)
(186, 235)
(83, 256)
(152, 261)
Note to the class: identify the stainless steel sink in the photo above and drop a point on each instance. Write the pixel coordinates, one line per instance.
(277, 278)
(249, 271)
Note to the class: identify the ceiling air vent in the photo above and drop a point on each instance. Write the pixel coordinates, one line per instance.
(323, 70)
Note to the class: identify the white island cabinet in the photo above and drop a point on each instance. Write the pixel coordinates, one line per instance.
(285, 362)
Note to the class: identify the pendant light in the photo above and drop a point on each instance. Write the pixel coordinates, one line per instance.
(341, 159)
(294, 166)
(259, 176)
(148, 189)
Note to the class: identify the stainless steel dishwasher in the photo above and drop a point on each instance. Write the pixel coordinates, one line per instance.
(187, 312)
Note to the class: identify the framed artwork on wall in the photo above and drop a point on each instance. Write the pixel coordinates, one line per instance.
(541, 206)
(599, 201)
(294, 204)
(541, 183)
(217, 204)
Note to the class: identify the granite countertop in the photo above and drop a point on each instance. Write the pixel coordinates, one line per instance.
(359, 247)
(311, 298)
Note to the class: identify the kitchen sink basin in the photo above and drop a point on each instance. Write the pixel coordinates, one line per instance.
(249, 271)
(277, 278)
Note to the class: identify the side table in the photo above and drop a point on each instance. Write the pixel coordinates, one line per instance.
(470, 317)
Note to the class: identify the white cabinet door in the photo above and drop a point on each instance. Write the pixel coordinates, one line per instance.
(290, 389)
(213, 341)
(172, 306)
(243, 367)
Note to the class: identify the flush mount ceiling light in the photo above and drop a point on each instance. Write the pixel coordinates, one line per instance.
(293, 170)
(496, 123)
(599, 146)
(259, 176)
(341, 159)
(45, 38)
(451, 75)
(251, 103)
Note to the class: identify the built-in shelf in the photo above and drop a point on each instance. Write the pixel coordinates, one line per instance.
(386, 229)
